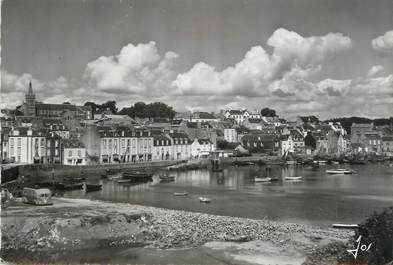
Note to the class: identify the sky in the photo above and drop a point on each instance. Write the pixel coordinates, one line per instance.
(327, 58)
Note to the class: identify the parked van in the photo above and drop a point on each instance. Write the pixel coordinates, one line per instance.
(37, 196)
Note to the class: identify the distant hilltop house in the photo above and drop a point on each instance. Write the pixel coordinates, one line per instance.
(32, 108)
(241, 115)
(200, 116)
(301, 120)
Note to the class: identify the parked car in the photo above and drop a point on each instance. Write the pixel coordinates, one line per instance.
(37, 196)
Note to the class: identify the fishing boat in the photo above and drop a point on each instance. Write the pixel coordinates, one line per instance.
(93, 187)
(123, 181)
(180, 194)
(339, 171)
(320, 162)
(204, 200)
(345, 226)
(68, 186)
(256, 179)
(294, 178)
(138, 177)
(167, 178)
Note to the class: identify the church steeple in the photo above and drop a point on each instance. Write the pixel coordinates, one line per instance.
(30, 92)
(29, 108)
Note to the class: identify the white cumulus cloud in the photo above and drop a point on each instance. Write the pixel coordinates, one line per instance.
(137, 69)
(293, 57)
(383, 43)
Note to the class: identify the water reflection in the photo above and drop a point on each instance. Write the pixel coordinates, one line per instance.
(318, 198)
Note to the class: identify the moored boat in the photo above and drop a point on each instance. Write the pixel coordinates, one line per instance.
(204, 200)
(339, 171)
(137, 177)
(294, 178)
(256, 179)
(167, 178)
(93, 187)
(180, 194)
(345, 226)
(68, 186)
(123, 180)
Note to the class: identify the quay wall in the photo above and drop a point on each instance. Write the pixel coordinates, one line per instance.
(41, 172)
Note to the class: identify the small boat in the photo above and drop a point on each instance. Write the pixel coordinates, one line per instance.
(123, 180)
(339, 171)
(167, 178)
(74, 179)
(180, 194)
(291, 162)
(274, 179)
(93, 187)
(256, 179)
(294, 178)
(345, 226)
(115, 178)
(137, 177)
(68, 186)
(320, 162)
(204, 200)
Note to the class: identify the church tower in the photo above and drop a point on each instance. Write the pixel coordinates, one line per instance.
(29, 102)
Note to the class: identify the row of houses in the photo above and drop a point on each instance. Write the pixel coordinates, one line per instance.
(98, 145)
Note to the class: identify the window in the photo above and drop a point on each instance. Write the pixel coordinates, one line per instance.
(70, 153)
(19, 142)
(56, 143)
(48, 144)
(79, 153)
(56, 152)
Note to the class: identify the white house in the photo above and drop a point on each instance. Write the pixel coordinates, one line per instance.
(287, 145)
(73, 153)
(230, 135)
(181, 145)
(202, 148)
(26, 145)
(162, 148)
(126, 146)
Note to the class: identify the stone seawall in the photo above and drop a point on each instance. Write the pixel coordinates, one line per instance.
(42, 172)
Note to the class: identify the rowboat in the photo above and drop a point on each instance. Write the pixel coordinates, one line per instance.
(167, 178)
(93, 187)
(204, 200)
(345, 226)
(339, 171)
(180, 194)
(123, 180)
(256, 179)
(68, 186)
(294, 178)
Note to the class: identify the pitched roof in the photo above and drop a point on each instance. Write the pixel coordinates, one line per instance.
(204, 141)
(73, 143)
(235, 112)
(204, 115)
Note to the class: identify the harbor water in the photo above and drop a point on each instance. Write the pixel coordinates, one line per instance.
(318, 199)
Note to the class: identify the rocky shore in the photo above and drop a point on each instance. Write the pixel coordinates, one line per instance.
(75, 224)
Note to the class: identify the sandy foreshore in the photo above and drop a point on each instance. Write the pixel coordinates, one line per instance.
(75, 224)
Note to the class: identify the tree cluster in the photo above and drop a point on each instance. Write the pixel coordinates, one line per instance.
(99, 108)
(151, 110)
(266, 112)
(347, 122)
